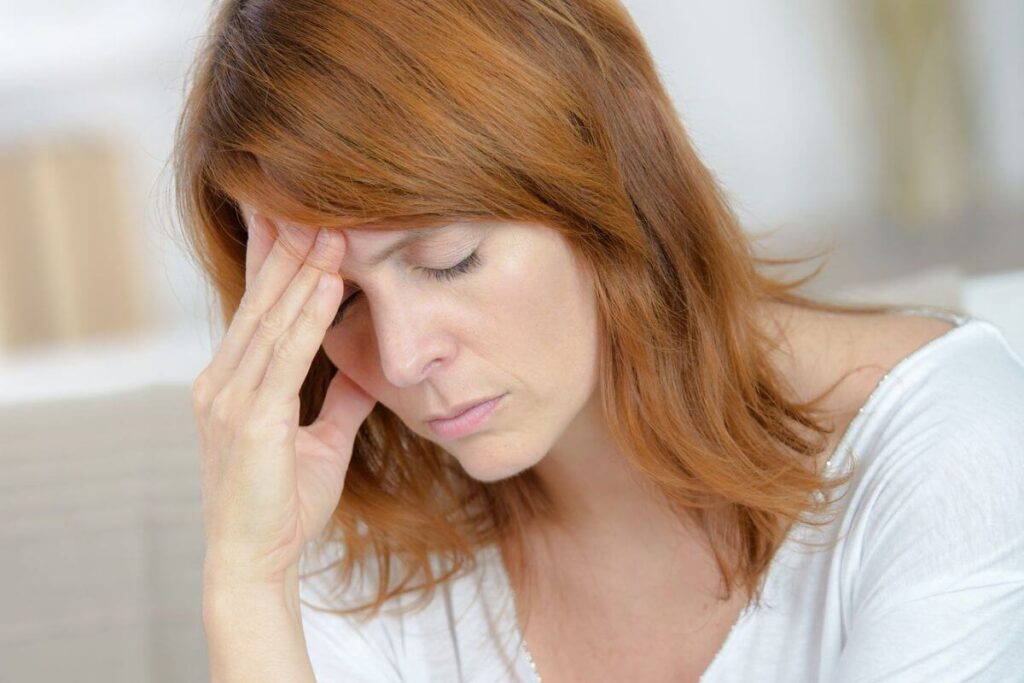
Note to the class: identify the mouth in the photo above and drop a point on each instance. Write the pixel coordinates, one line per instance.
(465, 419)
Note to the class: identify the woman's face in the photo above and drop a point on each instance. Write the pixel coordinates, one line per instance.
(517, 318)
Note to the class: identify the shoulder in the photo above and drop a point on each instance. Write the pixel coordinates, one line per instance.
(931, 563)
(848, 353)
(945, 390)
(891, 338)
(876, 344)
(959, 378)
(954, 362)
(938, 459)
(839, 360)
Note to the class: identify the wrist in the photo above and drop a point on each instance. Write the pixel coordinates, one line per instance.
(254, 631)
(227, 596)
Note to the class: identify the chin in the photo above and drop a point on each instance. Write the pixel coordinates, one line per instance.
(491, 465)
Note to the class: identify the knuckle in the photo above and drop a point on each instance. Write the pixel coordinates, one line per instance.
(284, 349)
(248, 308)
(272, 325)
(333, 247)
(221, 411)
(308, 318)
(202, 391)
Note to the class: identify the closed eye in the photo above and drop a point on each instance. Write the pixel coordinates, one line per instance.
(469, 263)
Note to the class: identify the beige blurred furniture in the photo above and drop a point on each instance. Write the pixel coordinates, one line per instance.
(101, 540)
(100, 525)
(70, 244)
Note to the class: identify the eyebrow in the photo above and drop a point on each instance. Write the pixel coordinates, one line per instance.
(411, 236)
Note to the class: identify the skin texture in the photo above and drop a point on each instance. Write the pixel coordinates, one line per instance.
(522, 323)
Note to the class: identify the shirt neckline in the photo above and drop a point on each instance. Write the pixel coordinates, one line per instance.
(961, 321)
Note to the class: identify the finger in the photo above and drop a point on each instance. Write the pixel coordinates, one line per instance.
(261, 236)
(345, 407)
(289, 361)
(285, 259)
(274, 326)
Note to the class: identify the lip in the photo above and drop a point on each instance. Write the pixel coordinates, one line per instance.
(460, 409)
(467, 420)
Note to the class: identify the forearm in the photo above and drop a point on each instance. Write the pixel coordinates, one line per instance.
(254, 634)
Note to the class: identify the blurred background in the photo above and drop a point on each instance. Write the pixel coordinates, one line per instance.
(889, 131)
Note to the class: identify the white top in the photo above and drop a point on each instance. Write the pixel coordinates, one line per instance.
(925, 582)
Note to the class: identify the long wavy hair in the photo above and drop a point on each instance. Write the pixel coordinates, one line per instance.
(398, 114)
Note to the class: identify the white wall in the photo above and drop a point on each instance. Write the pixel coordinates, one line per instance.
(994, 31)
(772, 96)
(774, 93)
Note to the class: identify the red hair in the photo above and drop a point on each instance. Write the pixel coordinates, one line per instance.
(390, 114)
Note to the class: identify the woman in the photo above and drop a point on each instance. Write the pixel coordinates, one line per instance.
(675, 467)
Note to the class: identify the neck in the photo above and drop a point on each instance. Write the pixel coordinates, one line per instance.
(599, 500)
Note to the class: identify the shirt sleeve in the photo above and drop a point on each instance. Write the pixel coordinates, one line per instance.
(938, 593)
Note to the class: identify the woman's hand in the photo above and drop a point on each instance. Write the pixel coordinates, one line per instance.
(270, 486)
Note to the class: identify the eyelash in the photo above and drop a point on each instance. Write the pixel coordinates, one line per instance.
(470, 262)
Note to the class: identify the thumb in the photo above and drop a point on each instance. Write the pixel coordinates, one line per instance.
(345, 407)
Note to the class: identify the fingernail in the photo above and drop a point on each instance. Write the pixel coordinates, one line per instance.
(292, 230)
(324, 238)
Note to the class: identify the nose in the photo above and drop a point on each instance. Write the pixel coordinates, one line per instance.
(410, 343)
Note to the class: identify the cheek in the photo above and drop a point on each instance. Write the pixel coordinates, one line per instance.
(352, 352)
(545, 322)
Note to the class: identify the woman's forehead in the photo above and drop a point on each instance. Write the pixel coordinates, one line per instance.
(373, 247)
(367, 248)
